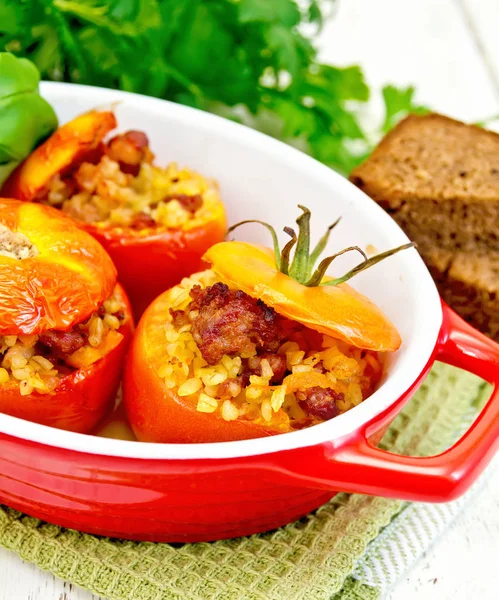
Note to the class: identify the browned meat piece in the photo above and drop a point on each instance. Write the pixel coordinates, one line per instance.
(319, 402)
(231, 322)
(179, 318)
(277, 364)
(245, 378)
(320, 367)
(130, 149)
(142, 221)
(62, 343)
(94, 156)
(190, 203)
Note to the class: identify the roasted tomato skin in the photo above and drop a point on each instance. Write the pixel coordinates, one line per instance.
(152, 261)
(63, 284)
(159, 414)
(82, 399)
(149, 261)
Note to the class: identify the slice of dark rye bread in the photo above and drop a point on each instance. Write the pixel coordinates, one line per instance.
(439, 179)
(469, 283)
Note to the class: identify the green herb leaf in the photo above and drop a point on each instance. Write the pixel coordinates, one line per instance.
(122, 17)
(248, 60)
(398, 104)
(285, 12)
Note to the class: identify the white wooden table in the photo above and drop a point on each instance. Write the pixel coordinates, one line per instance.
(450, 50)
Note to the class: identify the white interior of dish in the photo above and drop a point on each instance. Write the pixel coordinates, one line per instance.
(264, 179)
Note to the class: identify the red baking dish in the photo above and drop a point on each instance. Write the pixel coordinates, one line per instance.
(200, 492)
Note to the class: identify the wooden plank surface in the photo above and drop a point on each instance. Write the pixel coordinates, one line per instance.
(450, 51)
(427, 43)
(483, 20)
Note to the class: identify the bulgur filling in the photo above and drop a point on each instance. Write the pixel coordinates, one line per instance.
(14, 244)
(37, 362)
(120, 186)
(234, 356)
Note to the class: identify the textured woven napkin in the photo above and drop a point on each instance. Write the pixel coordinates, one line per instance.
(350, 549)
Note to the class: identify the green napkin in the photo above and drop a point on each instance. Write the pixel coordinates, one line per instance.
(350, 549)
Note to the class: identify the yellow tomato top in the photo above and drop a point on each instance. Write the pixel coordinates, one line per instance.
(338, 311)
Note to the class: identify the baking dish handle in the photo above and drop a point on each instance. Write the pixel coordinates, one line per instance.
(358, 466)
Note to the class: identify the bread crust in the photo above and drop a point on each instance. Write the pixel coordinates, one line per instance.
(439, 179)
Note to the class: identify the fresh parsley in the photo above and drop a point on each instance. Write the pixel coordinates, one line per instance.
(248, 60)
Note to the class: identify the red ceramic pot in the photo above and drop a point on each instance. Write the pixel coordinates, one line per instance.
(195, 492)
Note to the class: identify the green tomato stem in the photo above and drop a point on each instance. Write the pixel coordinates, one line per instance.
(286, 251)
(304, 261)
(299, 266)
(319, 249)
(369, 262)
(317, 277)
(275, 242)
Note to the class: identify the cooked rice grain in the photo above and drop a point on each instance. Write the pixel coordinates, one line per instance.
(351, 372)
(21, 361)
(103, 194)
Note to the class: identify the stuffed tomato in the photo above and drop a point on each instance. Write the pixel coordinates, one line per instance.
(255, 346)
(156, 223)
(65, 323)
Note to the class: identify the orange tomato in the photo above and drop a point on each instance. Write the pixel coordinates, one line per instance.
(153, 260)
(149, 261)
(81, 400)
(69, 276)
(64, 279)
(338, 311)
(157, 413)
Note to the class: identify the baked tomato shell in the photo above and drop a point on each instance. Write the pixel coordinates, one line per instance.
(159, 414)
(152, 261)
(66, 280)
(82, 399)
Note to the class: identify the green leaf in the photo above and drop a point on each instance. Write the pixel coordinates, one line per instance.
(487, 121)
(335, 152)
(318, 11)
(285, 12)
(282, 43)
(250, 60)
(399, 102)
(296, 118)
(123, 17)
(341, 84)
(47, 53)
(315, 14)
(12, 16)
